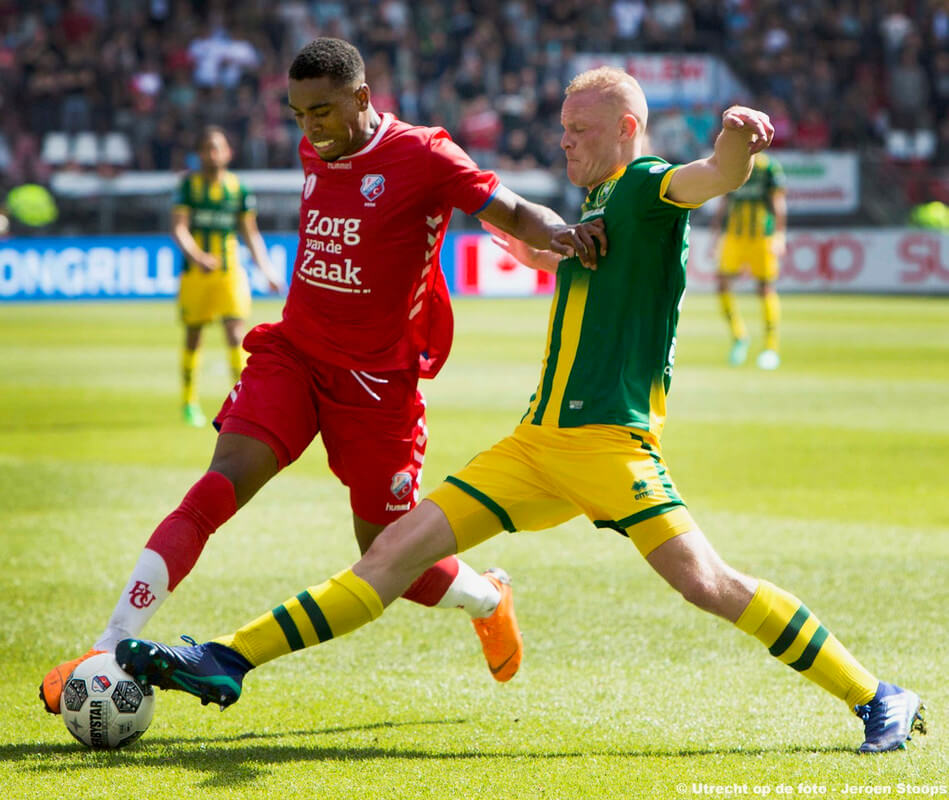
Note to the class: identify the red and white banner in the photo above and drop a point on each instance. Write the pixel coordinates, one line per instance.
(889, 260)
(821, 182)
(670, 79)
(484, 268)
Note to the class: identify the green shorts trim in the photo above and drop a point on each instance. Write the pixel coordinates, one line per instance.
(486, 501)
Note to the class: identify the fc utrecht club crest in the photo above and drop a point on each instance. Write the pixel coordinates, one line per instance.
(372, 186)
(101, 683)
(309, 186)
(401, 484)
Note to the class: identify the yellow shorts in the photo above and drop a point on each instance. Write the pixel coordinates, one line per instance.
(754, 253)
(206, 296)
(540, 476)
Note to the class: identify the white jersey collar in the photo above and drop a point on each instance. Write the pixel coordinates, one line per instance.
(384, 125)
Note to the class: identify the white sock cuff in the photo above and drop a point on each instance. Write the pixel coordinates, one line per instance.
(472, 592)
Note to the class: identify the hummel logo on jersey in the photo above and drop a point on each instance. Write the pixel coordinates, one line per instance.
(640, 487)
(372, 186)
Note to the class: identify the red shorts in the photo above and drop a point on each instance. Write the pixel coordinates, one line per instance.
(373, 424)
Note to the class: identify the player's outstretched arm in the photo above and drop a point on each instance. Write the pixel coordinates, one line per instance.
(258, 251)
(544, 260)
(745, 132)
(542, 228)
(181, 233)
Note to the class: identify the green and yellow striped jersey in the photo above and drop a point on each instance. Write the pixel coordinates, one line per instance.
(612, 331)
(215, 208)
(749, 209)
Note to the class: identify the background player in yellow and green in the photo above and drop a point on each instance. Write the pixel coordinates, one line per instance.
(752, 222)
(210, 207)
(589, 442)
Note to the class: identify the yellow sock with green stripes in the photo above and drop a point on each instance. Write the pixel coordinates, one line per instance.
(237, 358)
(190, 361)
(342, 604)
(730, 309)
(796, 637)
(771, 307)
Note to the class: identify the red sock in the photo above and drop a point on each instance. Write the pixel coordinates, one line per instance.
(431, 585)
(181, 536)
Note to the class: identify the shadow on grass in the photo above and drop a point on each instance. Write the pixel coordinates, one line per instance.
(228, 764)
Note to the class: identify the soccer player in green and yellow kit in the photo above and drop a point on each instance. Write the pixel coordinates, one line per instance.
(589, 442)
(211, 206)
(753, 220)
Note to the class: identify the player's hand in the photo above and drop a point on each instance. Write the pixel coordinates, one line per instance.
(580, 240)
(274, 285)
(522, 251)
(755, 123)
(779, 244)
(208, 263)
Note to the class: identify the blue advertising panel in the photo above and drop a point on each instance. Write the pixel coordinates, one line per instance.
(126, 267)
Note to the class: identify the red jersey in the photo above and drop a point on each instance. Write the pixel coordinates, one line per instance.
(367, 290)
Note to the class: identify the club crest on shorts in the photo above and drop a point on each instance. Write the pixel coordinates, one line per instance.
(372, 186)
(401, 485)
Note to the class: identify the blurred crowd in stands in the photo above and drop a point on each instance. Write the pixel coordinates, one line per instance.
(125, 84)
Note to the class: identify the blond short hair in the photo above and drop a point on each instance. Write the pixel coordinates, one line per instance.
(616, 84)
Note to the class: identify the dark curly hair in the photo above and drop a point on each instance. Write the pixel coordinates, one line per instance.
(334, 58)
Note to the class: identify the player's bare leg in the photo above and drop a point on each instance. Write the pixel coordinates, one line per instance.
(736, 325)
(768, 358)
(190, 363)
(234, 330)
(690, 565)
(214, 671)
(487, 598)
(239, 467)
(791, 633)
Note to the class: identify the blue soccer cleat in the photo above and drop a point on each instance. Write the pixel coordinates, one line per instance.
(889, 718)
(209, 671)
(738, 352)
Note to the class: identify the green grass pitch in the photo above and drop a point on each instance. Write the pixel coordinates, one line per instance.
(827, 477)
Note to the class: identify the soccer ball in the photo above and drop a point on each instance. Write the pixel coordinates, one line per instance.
(103, 706)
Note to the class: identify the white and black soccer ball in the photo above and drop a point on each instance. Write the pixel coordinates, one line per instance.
(103, 706)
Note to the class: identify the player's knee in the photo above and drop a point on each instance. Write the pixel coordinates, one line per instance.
(409, 545)
(702, 590)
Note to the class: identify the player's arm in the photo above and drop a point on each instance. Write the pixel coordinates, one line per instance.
(717, 227)
(258, 250)
(745, 132)
(779, 202)
(543, 260)
(542, 229)
(181, 233)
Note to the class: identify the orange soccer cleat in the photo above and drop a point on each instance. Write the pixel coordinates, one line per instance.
(51, 689)
(500, 636)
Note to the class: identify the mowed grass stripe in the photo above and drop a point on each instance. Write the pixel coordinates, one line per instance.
(625, 692)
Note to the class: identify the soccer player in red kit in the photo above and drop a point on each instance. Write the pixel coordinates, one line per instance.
(367, 314)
